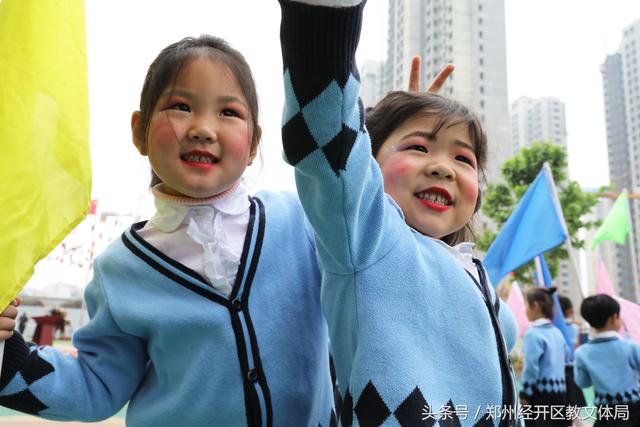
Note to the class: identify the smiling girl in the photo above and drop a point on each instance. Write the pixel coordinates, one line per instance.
(415, 326)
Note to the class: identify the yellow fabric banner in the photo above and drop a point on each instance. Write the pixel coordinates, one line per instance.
(45, 167)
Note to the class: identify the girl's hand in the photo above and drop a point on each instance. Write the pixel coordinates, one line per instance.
(435, 85)
(7, 319)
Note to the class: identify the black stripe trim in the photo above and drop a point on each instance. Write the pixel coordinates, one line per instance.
(262, 380)
(178, 279)
(245, 250)
(508, 397)
(252, 406)
(175, 264)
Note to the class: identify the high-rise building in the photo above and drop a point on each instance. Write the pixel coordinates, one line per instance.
(468, 33)
(371, 77)
(537, 119)
(621, 85)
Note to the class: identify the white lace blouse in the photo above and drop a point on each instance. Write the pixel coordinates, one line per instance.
(206, 235)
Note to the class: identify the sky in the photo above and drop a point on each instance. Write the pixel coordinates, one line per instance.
(554, 48)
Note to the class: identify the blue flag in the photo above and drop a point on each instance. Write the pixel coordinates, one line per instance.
(558, 320)
(535, 226)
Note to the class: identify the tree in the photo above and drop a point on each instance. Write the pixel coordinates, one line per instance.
(500, 199)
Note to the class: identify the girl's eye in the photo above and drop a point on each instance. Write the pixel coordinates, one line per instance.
(227, 112)
(420, 148)
(464, 159)
(180, 106)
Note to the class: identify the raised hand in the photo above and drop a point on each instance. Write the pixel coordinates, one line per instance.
(436, 83)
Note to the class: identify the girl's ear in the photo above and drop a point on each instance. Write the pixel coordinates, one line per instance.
(137, 134)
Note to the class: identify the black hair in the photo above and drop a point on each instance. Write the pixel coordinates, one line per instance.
(543, 297)
(565, 304)
(597, 309)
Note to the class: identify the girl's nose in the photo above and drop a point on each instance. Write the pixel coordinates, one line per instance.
(439, 168)
(201, 132)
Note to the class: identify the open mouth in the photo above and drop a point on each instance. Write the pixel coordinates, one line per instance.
(435, 198)
(199, 158)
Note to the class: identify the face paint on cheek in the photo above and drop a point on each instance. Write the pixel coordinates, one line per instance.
(397, 169)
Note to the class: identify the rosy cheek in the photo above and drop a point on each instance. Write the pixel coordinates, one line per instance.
(162, 131)
(470, 191)
(396, 170)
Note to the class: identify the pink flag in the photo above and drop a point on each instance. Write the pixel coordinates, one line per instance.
(629, 312)
(516, 304)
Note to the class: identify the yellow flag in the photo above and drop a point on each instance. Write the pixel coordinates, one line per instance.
(45, 169)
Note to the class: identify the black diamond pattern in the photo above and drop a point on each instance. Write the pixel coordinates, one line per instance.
(298, 141)
(346, 413)
(451, 419)
(334, 420)
(410, 412)
(371, 409)
(35, 368)
(338, 149)
(23, 401)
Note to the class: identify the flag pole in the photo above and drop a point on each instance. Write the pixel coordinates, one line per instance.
(634, 257)
(568, 245)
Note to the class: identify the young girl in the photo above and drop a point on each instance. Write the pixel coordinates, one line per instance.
(414, 324)
(208, 314)
(543, 374)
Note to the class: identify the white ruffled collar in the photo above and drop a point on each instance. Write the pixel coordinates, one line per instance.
(208, 221)
(171, 211)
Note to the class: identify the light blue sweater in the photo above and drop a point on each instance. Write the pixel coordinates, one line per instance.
(612, 366)
(409, 328)
(180, 352)
(545, 352)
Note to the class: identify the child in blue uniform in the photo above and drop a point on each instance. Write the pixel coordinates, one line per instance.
(415, 325)
(209, 313)
(543, 373)
(610, 363)
(575, 396)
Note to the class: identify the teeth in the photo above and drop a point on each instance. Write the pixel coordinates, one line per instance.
(199, 159)
(434, 197)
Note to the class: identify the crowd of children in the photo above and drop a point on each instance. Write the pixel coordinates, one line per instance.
(224, 308)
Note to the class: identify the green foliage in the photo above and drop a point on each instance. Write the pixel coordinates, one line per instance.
(518, 173)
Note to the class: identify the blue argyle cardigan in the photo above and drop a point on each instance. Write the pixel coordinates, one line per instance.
(543, 371)
(411, 331)
(612, 366)
(182, 353)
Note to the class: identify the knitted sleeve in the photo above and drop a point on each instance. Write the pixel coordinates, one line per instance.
(339, 182)
(580, 372)
(533, 347)
(508, 324)
(49, 383)
(635, 356)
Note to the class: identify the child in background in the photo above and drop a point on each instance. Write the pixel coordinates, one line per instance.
(567, 312)
(415, 325)
(209, 313)
(545, 352)
(575, 396)
(610, 363)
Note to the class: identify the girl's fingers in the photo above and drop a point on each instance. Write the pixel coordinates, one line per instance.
(10, 312)
(7, 326)
(442, 76)
(414, 74)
